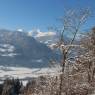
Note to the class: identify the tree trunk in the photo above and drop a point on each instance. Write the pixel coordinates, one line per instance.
(61, 75)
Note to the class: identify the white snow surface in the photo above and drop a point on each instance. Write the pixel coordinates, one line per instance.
(7, 50)
(25, 73)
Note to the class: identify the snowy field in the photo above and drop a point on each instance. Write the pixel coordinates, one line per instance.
(26, 74)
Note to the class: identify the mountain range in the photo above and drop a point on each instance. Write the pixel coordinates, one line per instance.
(29, 49)
(18, 48)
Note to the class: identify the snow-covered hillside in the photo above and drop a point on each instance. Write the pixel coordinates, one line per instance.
(26, 74)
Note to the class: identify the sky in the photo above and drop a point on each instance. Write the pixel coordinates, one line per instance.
(40, 14)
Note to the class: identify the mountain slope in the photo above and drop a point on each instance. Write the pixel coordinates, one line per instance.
(18, 49)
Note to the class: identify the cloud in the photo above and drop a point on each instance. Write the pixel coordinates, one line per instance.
(20, 30)
(38, 33)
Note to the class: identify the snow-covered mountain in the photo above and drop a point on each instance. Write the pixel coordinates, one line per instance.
(49, 38)
(19, 49)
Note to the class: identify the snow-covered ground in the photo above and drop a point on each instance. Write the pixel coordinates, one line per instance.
(26, 74)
